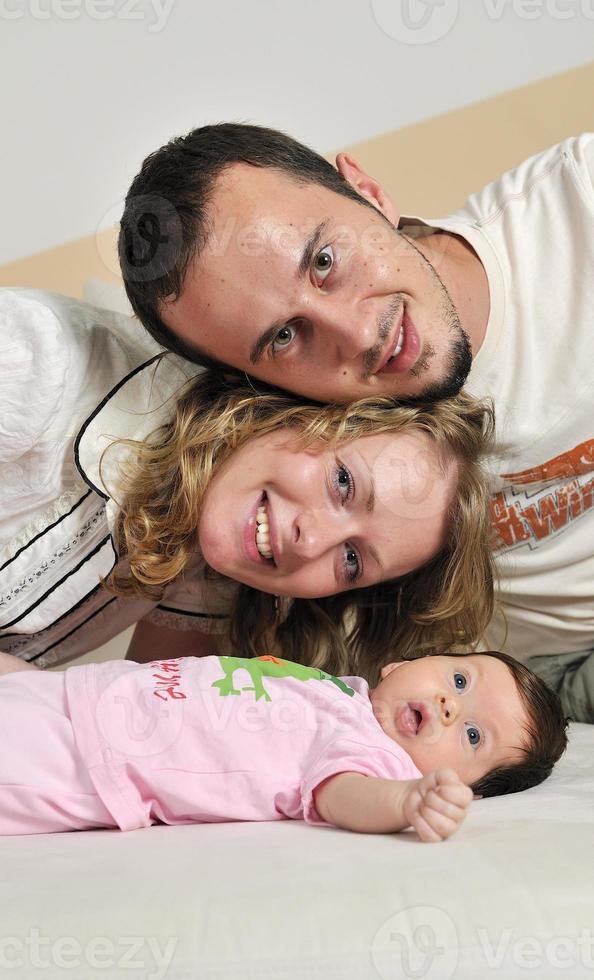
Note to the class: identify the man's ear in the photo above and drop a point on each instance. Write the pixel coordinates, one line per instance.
(367, 187)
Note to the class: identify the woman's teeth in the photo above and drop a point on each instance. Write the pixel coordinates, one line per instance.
(398, 346)
(263, 532)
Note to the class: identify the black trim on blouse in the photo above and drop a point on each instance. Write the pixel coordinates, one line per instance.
(60, 582)
(45, 530)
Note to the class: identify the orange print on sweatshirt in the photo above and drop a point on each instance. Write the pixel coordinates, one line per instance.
(544, 500)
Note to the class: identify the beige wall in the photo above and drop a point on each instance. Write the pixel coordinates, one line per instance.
(428, 168)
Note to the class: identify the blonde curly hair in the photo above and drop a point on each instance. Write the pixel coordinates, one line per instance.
(444, 604)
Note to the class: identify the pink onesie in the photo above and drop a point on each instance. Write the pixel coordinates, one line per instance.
(187, 740)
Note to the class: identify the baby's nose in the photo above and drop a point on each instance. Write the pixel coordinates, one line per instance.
(447, 708)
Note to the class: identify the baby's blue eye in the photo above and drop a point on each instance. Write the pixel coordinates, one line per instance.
(460, 687)
(474, 736)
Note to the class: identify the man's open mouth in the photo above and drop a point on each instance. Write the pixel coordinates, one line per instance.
(395, 345)
(399, 344)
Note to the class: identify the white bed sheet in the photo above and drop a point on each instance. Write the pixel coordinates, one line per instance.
(511, 895)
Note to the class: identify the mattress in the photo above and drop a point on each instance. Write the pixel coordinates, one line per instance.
(510, 895)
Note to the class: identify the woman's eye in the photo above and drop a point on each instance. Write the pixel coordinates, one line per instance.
(352, 565)
(459, 677)
(344, 482)
(474, 735)
(323, 262)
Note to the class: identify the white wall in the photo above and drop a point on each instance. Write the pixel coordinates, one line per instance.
(84, 99)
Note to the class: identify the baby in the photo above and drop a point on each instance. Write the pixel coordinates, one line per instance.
(200, 740)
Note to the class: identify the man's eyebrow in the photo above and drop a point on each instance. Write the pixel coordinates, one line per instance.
(310, 248)
(263, 341)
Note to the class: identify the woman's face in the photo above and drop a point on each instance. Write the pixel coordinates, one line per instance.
(330, 519)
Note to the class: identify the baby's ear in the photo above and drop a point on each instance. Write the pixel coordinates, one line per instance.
(475, 797)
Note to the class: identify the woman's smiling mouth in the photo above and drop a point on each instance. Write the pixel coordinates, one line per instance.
(257, 534)
(263, 531)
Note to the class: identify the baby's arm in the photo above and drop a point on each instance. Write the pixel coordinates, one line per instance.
(10, 663)
(434, 805)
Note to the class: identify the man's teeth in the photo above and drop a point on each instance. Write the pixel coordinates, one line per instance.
(263, 533)
(398, 346)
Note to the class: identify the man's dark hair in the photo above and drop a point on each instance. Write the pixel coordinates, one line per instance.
(165, 223)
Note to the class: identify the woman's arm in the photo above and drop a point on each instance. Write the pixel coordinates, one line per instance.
(9, 664)
(434, 805)
(150, 642)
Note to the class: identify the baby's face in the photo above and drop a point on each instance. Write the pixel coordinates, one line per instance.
(463, 712)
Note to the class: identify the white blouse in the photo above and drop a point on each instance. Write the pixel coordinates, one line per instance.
(74, 378)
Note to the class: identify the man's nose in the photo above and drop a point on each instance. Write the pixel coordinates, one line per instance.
(447, 708)
(351, 329)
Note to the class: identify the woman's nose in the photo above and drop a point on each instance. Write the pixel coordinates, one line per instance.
(317, 532)
(447, 708)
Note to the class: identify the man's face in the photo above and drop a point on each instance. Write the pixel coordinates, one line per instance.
(318, 294)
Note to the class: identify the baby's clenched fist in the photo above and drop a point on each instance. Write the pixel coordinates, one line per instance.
(436, 805)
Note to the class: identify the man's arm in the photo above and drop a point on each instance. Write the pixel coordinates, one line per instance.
(151, 642)
(434, 805)
(571, 675)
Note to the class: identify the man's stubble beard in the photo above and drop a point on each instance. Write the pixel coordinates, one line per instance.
(458, 358)
(458, 364)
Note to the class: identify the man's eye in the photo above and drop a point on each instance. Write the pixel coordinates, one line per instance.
(474, 735)
(324, 261)
(458, 676)
(284, 337)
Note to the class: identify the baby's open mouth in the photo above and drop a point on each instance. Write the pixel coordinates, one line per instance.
(410, 720)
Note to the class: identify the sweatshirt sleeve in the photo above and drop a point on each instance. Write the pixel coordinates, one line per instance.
(588, 144)
(35, 360)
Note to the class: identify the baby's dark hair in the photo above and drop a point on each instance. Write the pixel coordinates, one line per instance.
(546, 733)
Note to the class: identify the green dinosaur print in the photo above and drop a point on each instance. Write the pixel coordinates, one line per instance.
(260, 667)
